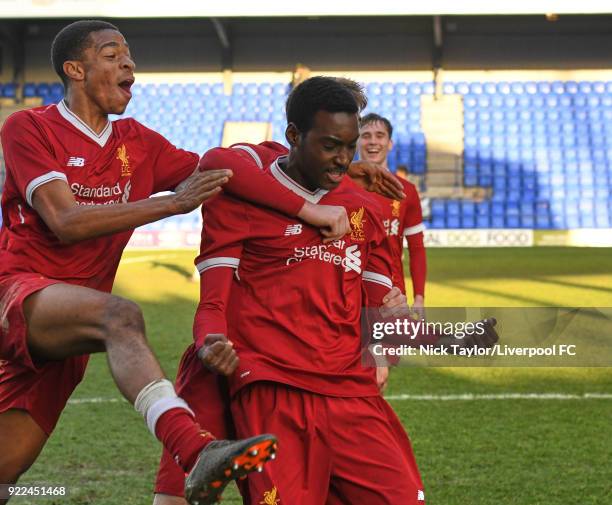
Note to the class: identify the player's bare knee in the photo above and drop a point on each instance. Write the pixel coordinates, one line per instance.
(122, 320)
(13, 466)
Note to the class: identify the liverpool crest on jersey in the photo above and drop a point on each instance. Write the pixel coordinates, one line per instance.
(269, 497)
(123, 157)
(357, 220)
(395, 208)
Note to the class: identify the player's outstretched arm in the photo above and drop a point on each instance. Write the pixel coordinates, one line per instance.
(413, 231)
(71, 223)
(252, 184)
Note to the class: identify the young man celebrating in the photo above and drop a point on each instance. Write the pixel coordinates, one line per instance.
(402, 218)
(292, 307)
(76, 186)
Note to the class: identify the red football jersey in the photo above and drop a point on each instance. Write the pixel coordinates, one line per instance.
(404, 218)
(292, 305)
(124, 163)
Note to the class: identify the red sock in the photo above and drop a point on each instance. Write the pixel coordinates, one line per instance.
(182, 437)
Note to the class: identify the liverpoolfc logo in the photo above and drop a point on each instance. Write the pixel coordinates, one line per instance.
(269, 497)
(352, 260)
(395, 208)
(123, 157)
(357, 221)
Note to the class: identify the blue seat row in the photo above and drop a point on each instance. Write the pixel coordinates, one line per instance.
(8, 90)
(529, 87)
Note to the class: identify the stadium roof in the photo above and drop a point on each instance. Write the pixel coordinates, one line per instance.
(269, 8)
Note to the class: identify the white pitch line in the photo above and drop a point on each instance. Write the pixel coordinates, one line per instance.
(431, 398)
(143, 259)
(501, 396)
(81, 401)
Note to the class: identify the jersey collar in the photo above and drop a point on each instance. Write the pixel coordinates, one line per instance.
(288, 182)
(78, 123)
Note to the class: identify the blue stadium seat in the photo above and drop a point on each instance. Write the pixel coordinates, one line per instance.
(497, 104)
(56, 90)
(517, 88)
(602, 221)
(468, 208)
(448, 88)
(527, 221)
(485, 181)
(29, 90)
(531, 88)
(490, 88)
(43, 89)
(504, 88)
(483, 208)
(453, 221)
(557, 87)
(9, 90)
(476, 88)
(463, 88)
(483, 221)
(599, 87)
(468, 221)
(401, 89)
(544, 88)
(587, 221)
(543, 221)
(498, 208)
(526, 207)
(415, 88)
(438, 208)
(453, 208)
(427, 88)
(513, 221)
(373, 89)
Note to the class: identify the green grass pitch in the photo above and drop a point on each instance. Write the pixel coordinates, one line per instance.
(496, 452)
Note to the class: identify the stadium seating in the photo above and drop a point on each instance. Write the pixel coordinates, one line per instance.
(544, 148)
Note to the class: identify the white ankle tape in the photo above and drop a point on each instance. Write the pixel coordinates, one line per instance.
(162, 406)
(157, 398)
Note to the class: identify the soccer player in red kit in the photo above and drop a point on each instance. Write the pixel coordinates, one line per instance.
(292, 307)
(402, 218)
(76, 186)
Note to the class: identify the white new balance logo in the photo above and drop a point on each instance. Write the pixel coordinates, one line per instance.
(293, 229)
(420, 496)
(353, 259)
(73, 161)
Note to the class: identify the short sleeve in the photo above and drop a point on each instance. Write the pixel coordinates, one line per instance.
(413, 217)
(29, 157)
(172, 165)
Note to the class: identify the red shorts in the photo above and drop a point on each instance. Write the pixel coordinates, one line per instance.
(42, 388)
(332, 451)
(206, 394)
